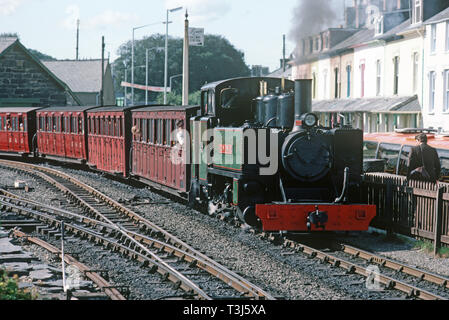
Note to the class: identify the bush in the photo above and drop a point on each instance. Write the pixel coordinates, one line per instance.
(9, 289)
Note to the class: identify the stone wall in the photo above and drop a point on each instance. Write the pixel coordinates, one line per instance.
(22, 78)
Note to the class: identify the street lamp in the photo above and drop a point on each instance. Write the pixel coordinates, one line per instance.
(132, 57)
(146, 75)
(166, 53)
(171, 79)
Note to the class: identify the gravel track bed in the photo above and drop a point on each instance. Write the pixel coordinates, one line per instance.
(283, 274)
(400, 249)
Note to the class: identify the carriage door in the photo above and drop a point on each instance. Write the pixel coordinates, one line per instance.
(22, 142)
(10, 134)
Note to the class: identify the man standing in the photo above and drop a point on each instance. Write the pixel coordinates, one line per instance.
(424, 159)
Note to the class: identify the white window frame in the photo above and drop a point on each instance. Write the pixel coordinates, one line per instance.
(378, 77)
(417, 18)
(433, 38)
(432, 83)
(379, 26)
(447, 35)
(415, 71)
(446, 91)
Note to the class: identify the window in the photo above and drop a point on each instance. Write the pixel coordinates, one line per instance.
(432, 78)
(362, 80)
(379, 26)
(447, 36)
(396, 75)
(150, 131)
(433, 38)
(1, 123)
(378, 77)
(314, 85)
(415, 71)
(446, 91)
(336, 88)
(389, 152)
(417, 12)
(325, 84)
(157, 138)
(164, 132)
(348, 75)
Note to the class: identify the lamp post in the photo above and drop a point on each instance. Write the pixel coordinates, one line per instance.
(132, 56)
(171, 79)
(146, 75)
(166, 53)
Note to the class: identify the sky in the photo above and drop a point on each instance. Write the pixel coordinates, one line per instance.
(252, 26)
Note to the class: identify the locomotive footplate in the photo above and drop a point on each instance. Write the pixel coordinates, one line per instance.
(295, 217)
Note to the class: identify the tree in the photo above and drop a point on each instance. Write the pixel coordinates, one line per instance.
(217, 60)
(41, 56)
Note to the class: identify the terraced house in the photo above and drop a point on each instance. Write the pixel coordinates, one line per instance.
(371, 72)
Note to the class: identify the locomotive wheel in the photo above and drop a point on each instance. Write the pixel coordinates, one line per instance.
(248, 216)
(194, 193)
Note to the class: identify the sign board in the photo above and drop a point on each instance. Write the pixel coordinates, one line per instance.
(196, 37)
(138, 86)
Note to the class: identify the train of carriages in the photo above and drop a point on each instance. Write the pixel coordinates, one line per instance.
(252, 150)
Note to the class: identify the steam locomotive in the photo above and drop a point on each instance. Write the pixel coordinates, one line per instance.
(252, 150)
(259, 153)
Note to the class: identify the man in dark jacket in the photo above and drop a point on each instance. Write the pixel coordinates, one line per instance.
(430, 156)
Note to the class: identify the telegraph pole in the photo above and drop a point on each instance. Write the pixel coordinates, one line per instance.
(102, 70)
(185, 78)
(77, 38)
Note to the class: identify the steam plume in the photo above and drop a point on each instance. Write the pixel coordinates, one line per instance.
(311, 17)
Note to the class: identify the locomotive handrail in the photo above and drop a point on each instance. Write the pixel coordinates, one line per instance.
(345, 187)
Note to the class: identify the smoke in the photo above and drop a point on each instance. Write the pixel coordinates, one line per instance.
(310, 18)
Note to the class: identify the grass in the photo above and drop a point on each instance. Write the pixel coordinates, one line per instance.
(427, 246)
(9, 288)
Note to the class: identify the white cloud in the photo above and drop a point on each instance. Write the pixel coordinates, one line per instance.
(8, 7)
(202, 10)
(109, 18)
(73, 14)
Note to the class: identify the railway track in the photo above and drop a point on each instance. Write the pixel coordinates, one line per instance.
(116, 227)
(412, 281)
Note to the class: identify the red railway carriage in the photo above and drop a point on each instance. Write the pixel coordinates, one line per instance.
(154, 141)
(61, 133)
(17, 129)
(109, 139)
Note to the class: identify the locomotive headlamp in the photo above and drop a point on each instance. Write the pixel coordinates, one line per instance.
(309, 120)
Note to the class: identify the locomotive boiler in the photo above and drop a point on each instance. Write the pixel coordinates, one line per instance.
(260, 155)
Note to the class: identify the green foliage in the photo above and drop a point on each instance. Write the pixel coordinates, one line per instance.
(428, 247)
(41, 56)
(9, 289)
(217, 60)
(9, 35)
(176, 98)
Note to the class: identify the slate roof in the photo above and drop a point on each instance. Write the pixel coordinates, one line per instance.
(80, 76)
(374, 105)
(6, 42)
(442, 16)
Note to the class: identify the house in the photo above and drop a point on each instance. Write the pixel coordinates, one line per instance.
(84, 78)
(26, 81)
(372, 74)
(436, 71)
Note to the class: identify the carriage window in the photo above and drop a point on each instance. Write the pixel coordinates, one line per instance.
(403, 160)
(167, 132)
(116, 127)
(21, 123)
(121, 127)
(80, 125)
(444, 158)
(57, 123)
(150, 131)
(173, 128)
(164, 132)
(156, 131)
(389, 152)
(111, 127)
(53, 123)
(145, 130)
(1, 123)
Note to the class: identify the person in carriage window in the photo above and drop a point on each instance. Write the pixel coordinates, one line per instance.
(424, 163)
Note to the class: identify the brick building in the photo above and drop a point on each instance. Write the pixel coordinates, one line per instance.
(25, 81)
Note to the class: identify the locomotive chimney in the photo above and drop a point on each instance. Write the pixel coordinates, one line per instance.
(303, 100)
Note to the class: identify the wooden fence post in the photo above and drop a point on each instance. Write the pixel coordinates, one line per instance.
(389, 207)
(438, 218)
